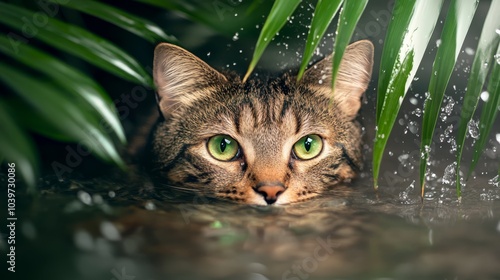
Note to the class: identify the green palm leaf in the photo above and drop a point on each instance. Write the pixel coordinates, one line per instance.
(324, 13)
(487, 45)
(60, 111)
(349, 17)
(455, 28)
(410, 50)
(80, 43)
(488, 114)
(278, 16)
(213, 14)
(134, 24)
(393, 43)
(16, 147)
(89, 95)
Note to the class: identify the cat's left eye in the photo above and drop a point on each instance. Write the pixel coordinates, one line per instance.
(308, 147)
(223, 147)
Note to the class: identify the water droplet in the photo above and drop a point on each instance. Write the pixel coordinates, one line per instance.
(417, 112)
(427, 149)
(208, 54)
(236, 36)
(109, 231)
(84, 197)
(391, 153)
(413, 101)
(441, 138)
(111, 194)
(485, 96)
(495, 181)
(150, 205)
(403, 158)
(448, 130)
(438, 43)
(413, 127)
(470, 51)
(497, 58)
(498, 137)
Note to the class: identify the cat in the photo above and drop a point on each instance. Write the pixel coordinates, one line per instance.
(262, 142)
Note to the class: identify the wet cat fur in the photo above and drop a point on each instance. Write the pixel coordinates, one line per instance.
(266, 118)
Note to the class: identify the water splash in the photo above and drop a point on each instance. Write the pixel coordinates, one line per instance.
(417, 112)
(404, 196)
(473, 129)
(495, 181)
(446, 134)
(449, 174)
(448, 108)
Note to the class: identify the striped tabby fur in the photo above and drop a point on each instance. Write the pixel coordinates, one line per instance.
(266, 118)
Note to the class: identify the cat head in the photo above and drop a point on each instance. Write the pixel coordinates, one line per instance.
(259, 142)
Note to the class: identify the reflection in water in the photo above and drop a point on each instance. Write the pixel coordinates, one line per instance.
(349, 233)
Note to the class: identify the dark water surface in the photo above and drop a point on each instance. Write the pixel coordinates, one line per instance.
(74, 231)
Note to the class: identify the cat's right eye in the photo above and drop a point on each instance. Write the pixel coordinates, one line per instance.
(308, 147)
(223, 147)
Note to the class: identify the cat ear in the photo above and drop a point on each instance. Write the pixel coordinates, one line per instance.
(353, 76)
(181, 78)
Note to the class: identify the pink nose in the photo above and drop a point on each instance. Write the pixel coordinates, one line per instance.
(270, 192)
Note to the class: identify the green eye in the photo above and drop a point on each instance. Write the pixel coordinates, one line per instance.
(223, 147)
(308, 147)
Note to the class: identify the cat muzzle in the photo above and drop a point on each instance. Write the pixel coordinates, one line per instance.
(270, 192)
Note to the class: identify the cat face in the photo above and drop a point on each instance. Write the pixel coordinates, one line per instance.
(258, 142)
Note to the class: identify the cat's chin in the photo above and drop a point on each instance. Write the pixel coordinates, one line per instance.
(262, 202)
(283, 199)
